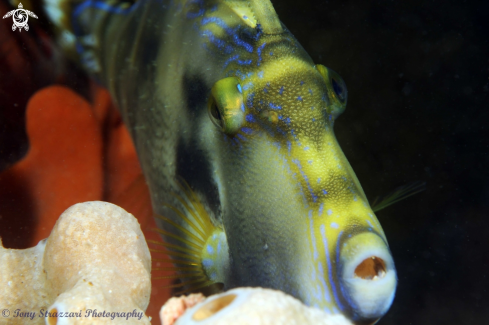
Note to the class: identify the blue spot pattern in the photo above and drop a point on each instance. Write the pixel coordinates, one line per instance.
(250, 118)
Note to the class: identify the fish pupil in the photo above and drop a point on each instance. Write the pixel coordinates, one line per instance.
(337, 89)
(216, 114)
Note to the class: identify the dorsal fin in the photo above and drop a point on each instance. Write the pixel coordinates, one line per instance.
(258, 12)
(266, 16)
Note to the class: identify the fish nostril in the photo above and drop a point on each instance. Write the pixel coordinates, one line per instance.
(214, 306)
(372, 268)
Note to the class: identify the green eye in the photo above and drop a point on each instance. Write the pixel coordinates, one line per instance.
(226, 106)
(337, 92)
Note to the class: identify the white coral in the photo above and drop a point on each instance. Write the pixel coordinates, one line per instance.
(95, 258)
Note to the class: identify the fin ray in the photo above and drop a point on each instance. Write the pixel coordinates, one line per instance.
(398, 194)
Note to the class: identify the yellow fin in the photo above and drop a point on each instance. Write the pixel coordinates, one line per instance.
(188, 240)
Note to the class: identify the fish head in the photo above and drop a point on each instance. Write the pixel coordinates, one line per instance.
(295, 215)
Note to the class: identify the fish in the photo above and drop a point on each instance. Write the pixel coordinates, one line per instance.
(233, 125)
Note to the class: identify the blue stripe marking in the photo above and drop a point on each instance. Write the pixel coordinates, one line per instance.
(242, 43)
(192, 15)
(218, 42)
(258, 33)
(323, 281)
(297, 162)
(247, 130)
(330, 273)
(281, 91)
(335, 292)
(258, 50)
(101, 5)
(273, 106)
(244, 62)
(214, 20)
(229, 60)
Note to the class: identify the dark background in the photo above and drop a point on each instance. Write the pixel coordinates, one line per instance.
(417, 73)
(418, 79)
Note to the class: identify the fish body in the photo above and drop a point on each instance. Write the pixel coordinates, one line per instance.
(233, 125)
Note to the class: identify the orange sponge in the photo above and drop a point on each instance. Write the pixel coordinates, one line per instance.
(62, 167)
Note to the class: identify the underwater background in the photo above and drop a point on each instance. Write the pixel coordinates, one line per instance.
(417, 73)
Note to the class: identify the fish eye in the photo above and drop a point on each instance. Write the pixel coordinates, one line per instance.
(340, 92)
(336, 88)
(226, 106)
(367, 276)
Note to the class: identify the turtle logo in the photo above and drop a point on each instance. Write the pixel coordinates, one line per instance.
(20, 17)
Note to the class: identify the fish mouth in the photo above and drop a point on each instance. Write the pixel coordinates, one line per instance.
(372, 268)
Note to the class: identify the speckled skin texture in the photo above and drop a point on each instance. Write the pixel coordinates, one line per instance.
(259, 306)
(95, 258)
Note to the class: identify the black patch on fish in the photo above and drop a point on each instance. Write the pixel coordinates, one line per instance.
(196, 92)
(194, 167)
